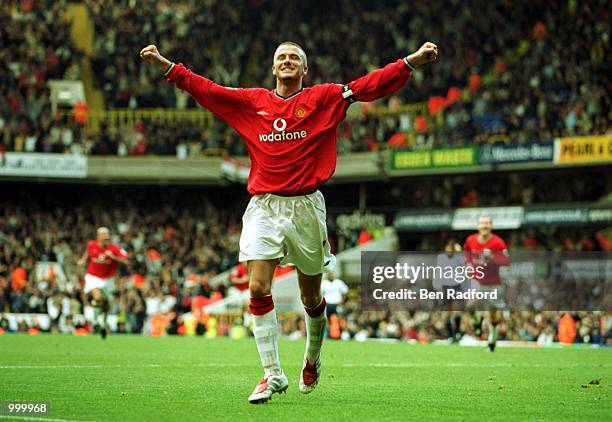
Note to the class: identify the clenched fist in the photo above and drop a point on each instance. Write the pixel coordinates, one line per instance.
(427, 53)
(151, 54)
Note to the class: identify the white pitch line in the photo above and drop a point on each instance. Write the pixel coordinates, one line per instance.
(467, 365)
(152, 365)
(33, 418)
(346, 365)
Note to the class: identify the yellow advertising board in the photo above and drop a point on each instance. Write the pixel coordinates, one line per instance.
(583, 149)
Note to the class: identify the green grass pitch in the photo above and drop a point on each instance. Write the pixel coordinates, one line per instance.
(177, 378)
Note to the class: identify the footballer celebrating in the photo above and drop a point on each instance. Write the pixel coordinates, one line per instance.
(104, 258)
(290, 134)
(488, 251)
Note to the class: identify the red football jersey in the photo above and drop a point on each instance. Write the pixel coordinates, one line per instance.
(99, 264)
(475, 256)
(291, 141)
(239, 272)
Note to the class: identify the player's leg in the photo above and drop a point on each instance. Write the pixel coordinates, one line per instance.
(95, 297)
(265, 325)
(494, 323)
(98, 303)
(95, 301)
(106, 293)
(476, 323)
(457, 326)
(261, 246)
(314, 307)
(265, 330)
(474, 307)
(93, 291)
(308, 249)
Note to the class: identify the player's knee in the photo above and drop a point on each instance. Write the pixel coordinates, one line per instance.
(96, 294)
(259, 288)
(311, 299)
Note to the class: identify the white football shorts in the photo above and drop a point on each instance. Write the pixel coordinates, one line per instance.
(107, 285)
(290, 228)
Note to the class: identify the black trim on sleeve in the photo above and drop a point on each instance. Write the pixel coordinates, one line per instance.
(167, 72)
(347, 94)
(411, 67)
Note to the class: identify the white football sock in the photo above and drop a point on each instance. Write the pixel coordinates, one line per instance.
(493, 332)
(265, 330)
(315, 331)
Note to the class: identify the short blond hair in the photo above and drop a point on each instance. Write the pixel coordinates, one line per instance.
(487, 216)
(296, 45)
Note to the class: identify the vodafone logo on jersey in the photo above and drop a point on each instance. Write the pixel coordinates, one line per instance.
(280, 135)
(280, 125)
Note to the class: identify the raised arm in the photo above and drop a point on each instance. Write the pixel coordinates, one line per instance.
(150, 54)
(83, 259)
(385, 81)
(218, 99)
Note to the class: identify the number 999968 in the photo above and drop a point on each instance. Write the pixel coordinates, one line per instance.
(15, 408)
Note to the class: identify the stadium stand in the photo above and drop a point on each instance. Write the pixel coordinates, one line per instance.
(527, 82)
(524, 83)
(35, 46)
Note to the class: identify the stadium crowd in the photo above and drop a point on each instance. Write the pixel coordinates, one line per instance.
(176, 243)
(179, 138)
(35, 47)
(351, 323)
(508, 72)
(496, 189)
(181, 235)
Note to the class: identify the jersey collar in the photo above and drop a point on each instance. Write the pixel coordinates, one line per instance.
(289, 97)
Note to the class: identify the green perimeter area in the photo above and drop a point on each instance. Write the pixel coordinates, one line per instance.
(187, 378)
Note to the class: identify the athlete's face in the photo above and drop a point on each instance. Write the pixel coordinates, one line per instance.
(289, 63)
(103, 238)
(485, 225)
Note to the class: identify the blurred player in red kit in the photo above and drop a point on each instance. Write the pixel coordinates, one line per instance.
(488, 251)
(102, 259)
(290, 134)
(240, 277)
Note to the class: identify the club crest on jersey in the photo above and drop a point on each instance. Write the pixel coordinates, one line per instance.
(100, 259)
(300, 112)
(279, 126)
